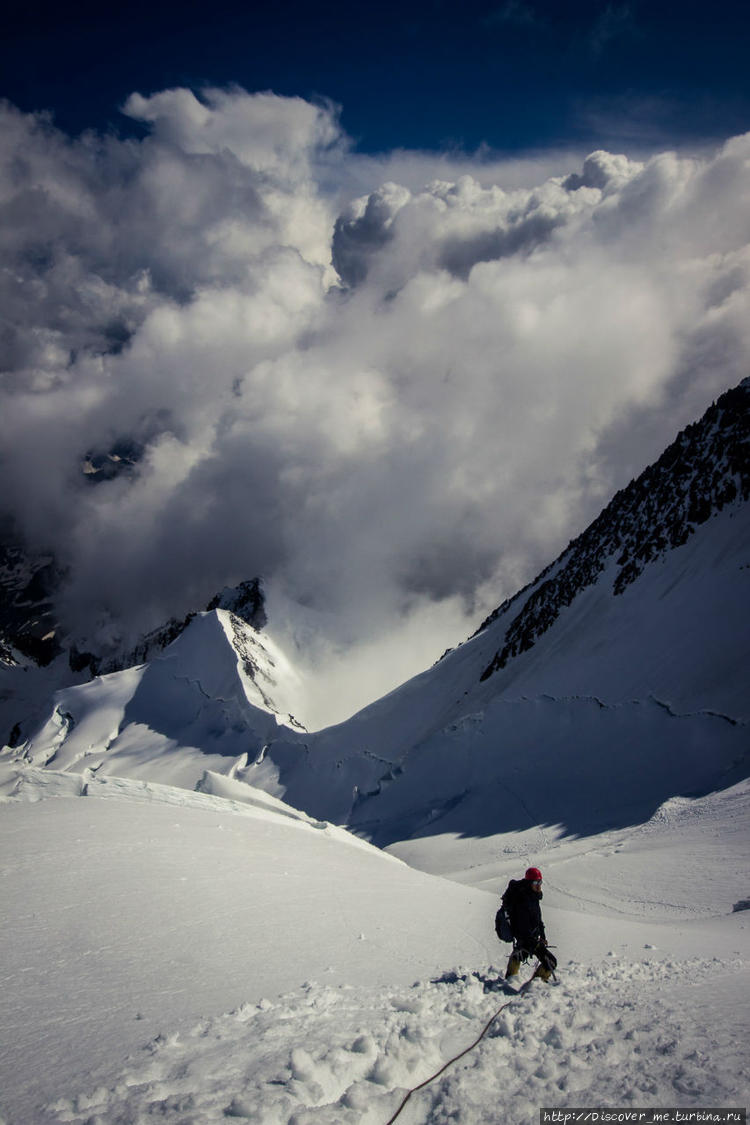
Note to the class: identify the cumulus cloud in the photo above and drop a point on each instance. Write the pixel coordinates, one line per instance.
(395, 406)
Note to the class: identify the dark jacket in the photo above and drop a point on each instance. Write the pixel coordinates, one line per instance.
(523, 905)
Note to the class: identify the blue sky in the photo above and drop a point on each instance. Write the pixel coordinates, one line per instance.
(510, 74)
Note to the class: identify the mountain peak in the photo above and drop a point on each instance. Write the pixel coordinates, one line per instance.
(246, 601)
(217, 694)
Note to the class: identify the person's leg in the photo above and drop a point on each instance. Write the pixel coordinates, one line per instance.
(514, 963)
(541, 972)
(547, 962)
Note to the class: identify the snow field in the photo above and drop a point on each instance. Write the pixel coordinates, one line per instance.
(152, 908)
(140, 914)
(620, 1033)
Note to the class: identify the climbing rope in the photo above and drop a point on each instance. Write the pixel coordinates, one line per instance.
(450, 1062)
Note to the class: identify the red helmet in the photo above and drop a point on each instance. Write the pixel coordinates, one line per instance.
(534, 874)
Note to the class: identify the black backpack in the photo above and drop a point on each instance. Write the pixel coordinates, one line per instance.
(502, 925)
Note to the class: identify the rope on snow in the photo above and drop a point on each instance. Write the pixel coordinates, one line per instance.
(455, 1058)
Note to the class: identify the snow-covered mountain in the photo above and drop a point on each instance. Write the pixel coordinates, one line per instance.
(704, 471)
(216, 695)
(35, 665)
(624, 662)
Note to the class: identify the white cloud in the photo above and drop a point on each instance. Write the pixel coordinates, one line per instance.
(399, 452)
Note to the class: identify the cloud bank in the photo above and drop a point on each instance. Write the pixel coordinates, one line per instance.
(395, 407)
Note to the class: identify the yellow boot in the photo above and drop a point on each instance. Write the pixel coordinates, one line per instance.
(514, 964)
(541, 972)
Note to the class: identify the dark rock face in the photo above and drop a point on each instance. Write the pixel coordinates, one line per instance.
(245, 601)
(28, 622)
(706, 468)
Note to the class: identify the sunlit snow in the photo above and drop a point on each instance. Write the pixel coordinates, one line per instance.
(188, 958)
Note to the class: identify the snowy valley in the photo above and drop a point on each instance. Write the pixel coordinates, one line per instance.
(212, 913)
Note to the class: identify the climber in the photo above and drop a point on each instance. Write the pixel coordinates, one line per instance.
(521, 903)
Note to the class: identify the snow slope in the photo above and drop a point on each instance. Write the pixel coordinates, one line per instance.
(624, 663)
(645, 695)
(188, 959)
(217, 693)
(137, 908)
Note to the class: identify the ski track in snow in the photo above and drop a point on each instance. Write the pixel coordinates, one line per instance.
(616, 1034)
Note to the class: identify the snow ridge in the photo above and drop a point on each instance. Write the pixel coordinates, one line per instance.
(705, 469)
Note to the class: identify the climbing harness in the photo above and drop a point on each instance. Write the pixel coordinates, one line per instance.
(450, 1062)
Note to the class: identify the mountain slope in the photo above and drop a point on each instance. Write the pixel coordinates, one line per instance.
(624, 663)
(217, 694)
(625, 660)
(706, 469)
